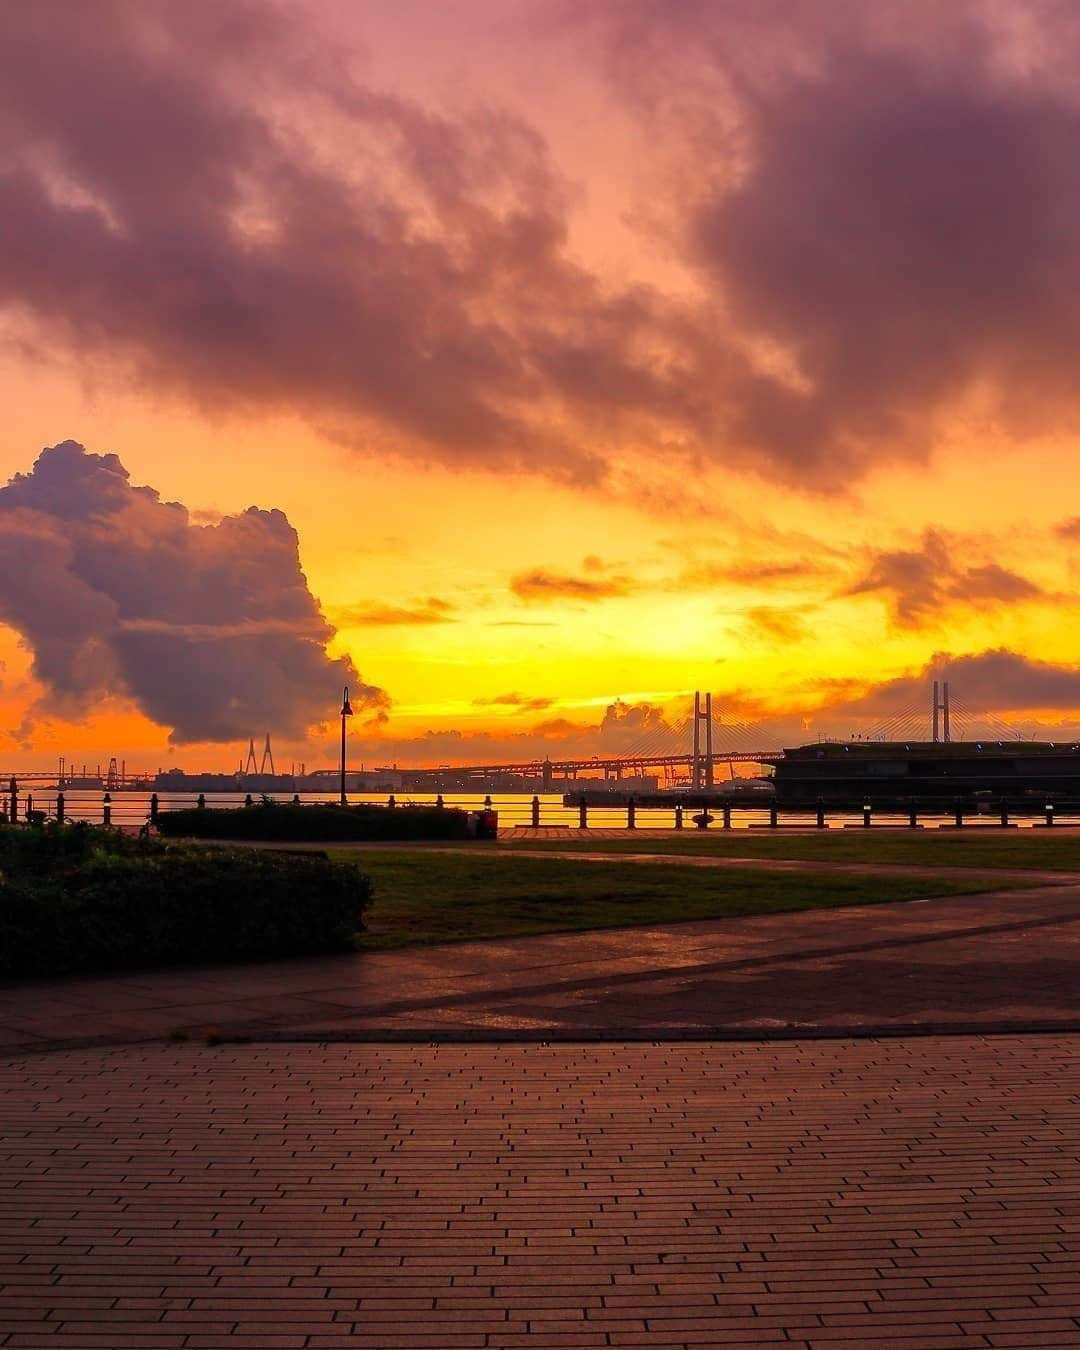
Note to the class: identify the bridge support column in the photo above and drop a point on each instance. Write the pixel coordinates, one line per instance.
(708, 742)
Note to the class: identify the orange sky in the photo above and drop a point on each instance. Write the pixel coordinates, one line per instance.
(676, 445)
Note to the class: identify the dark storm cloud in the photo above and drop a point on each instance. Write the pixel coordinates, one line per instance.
(997, 681)
(210, 629)
(876, 201)
(198, 190)
(882, 195)
(919, 584)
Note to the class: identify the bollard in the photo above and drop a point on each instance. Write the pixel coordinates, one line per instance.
(678, 817)
(153, 808)
(200, 801)
(583, 814)
(536, 812)
(772, 817)
(439, 802)
(487, 802)
(248, 801)
(1004, 814)
(296, 799)
(59, 808)
(727, 815)
(631, 814)
(913, 818)
(106, 810)
(1049, 813)
(820, 814)
(392, 801)
(866, 815)
(958, 814)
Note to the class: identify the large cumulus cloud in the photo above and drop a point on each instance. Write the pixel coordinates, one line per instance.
(210, 629)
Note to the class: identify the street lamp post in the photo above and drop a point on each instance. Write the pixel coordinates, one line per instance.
(346, 711)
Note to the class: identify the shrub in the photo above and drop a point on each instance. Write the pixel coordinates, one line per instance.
(75, 898)
(283, 821)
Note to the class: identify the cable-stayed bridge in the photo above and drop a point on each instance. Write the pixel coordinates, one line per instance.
(697, 750)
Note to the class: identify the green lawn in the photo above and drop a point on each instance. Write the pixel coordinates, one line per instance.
(972, 847)
(423, 897)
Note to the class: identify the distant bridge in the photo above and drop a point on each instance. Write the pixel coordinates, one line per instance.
(690, 751)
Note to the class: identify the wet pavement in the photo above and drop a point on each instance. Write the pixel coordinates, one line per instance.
(1002, 960)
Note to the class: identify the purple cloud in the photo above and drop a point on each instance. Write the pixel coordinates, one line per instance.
(210, 629)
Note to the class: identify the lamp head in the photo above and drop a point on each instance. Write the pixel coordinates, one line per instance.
(346, 706)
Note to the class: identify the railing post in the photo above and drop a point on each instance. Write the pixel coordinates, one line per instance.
(153, 808)
(106, 810)
(631, 814)
(487, 802)
(296, 799)
(29, 807)
(1049, 813)
(913, 817)
(772, 816)
(14, 790)
(583, 814)
(248, 800)
(958, 814)
(391, 801)
(536, 812)
(867, 809)
(59, 808)
(439, 802)
(820, 814)
(200, 801)
(678, 815)
(1004, 813)
(727, 815)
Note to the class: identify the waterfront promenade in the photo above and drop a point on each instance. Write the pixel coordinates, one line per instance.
(747, 1131)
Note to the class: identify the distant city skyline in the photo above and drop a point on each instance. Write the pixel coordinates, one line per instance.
(572, 357)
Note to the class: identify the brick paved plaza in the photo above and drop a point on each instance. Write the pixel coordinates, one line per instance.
(919, 1192)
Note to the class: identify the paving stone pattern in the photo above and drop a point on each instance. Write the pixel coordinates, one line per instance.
(910, 1193)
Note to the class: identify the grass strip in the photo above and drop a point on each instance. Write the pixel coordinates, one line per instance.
(973, 847)
(423, 897)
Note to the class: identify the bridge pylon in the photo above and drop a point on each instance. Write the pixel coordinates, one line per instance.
(701, 769)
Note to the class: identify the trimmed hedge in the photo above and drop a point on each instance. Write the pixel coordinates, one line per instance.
(285, 821)
(74, 898)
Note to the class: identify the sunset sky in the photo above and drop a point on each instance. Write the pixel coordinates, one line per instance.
(594, 352)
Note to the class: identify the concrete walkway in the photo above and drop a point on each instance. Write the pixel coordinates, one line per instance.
(994, 961)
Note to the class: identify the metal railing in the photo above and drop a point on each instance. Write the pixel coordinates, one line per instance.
(131, 811)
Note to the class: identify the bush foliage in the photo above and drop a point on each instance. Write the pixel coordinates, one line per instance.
(285, 821)
(77, 898)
